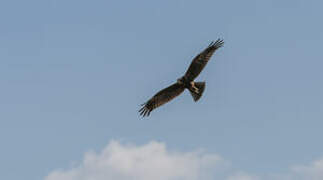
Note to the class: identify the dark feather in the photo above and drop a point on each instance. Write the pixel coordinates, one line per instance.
(201, 60)
(161, 98)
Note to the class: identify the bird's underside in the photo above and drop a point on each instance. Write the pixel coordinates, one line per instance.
(186, 82)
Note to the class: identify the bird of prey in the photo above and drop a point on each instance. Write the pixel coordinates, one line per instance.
(186, 82)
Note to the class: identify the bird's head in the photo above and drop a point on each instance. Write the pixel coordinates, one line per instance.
(180, 81)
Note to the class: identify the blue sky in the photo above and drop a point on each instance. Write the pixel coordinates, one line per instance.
(73, 74)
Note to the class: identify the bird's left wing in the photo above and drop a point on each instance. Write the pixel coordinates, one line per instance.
(161, 98)
(201, 60)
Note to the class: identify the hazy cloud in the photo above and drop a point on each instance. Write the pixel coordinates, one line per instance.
(313, 171)
(154, 161)
(147, 162)
(242, 176)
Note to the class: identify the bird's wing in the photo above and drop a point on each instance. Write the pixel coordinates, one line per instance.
(161, 98)
(201, 60)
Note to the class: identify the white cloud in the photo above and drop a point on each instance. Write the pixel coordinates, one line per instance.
(242, 176)
(147, 162)
(154, 161)
(314, 171)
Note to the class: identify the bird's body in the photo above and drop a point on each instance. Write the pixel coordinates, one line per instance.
(190, 85)
(186, 82)
(183, 81)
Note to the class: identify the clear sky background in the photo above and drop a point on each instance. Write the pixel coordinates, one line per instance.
(73, 74)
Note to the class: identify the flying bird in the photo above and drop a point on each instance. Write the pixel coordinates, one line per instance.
(185, 82)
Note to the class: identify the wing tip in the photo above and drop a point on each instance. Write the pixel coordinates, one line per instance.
(144, 111)
(217, 44)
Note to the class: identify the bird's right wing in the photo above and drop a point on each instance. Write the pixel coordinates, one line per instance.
(200, 61)
(161, 98)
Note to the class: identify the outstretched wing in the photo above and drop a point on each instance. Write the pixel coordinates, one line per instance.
(201, 60)
(161, 98)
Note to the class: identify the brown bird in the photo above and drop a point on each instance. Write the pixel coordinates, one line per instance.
(186, 82)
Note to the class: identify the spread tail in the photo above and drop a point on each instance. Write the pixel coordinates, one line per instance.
(197, 91)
